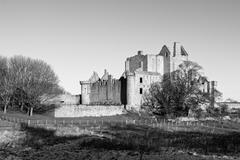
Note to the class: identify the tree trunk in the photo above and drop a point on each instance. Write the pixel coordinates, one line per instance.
(31, 111)
(141, 155)
(28, 111)
(22, 107)
(5, 108)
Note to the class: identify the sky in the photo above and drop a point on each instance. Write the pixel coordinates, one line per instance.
(77, 37)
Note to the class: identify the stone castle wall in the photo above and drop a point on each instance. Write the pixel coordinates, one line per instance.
(137, 62)
(139, 83)
(106, 92)
(140, 72)
(88, 111)
(66, 99)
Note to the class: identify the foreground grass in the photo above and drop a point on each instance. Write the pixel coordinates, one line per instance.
(121, 141)
(116, 118)
(124, 142)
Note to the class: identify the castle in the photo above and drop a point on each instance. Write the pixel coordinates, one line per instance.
(140, 72)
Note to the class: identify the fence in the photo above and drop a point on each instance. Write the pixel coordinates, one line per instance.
(187, 126)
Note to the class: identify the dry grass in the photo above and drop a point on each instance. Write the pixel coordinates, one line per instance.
(126, 142)
(107, 140)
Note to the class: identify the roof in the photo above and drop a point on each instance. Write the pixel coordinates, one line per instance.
(183, 51)
(94, 77)
(164, 50)
(105, 75)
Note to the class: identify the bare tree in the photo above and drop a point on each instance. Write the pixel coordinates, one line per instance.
(6, 83)
(35, 78)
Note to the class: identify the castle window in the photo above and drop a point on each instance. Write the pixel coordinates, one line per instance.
(141, 79)
(166, 54)
(141, 90)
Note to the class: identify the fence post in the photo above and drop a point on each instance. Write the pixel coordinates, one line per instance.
(176, 125)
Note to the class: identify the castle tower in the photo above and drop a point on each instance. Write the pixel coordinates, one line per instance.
(130, 88)
(179, 55)
(85, 92)
(165, 56)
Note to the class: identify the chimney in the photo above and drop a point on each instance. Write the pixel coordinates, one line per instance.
(140, 52)
(105, 71)
(176, 48)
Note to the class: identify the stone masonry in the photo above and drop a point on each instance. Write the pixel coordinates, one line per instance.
(140, 72)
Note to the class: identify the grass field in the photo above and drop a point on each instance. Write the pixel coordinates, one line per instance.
(129, 118)
(125, 140)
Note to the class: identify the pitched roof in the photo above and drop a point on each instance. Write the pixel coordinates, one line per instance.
(183, 51)
(105, 75)
(94, 77)
(164, 50)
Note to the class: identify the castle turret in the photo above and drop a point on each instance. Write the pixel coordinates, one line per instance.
(130, 88)
(85, 92)
(179, 55)
(165, 56)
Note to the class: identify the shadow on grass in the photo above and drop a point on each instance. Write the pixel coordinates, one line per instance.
(45, 144)
(37, 138)
(134, 138)
(152, 139)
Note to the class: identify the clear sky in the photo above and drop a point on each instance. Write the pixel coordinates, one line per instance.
(77, 37)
